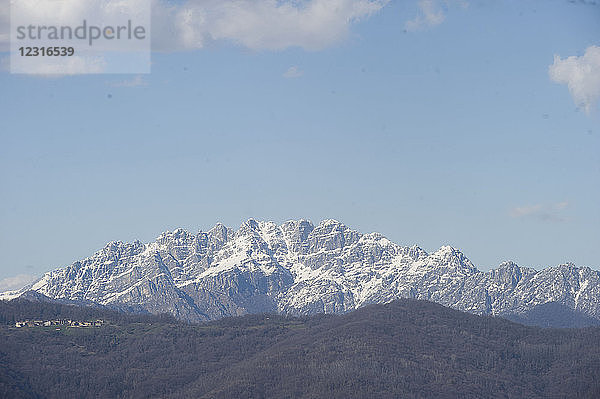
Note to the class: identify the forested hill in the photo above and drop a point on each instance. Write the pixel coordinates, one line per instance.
(407, 348)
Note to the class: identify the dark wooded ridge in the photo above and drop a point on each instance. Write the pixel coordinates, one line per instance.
(408, 348)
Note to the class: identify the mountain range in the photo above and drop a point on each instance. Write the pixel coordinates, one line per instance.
(298, 268)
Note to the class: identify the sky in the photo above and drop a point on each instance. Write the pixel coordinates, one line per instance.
(468, 123)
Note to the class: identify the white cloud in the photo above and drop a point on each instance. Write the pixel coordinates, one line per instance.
(136, 81)
(16, 282)
(258, 24)
(293, 72)
(254, 24)
(72, 13)
(67, 12)
(581, 75)
(546, 213)
(431, 13)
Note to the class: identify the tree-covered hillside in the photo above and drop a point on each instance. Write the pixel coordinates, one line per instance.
(408, 348)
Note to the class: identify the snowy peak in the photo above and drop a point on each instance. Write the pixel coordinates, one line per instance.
(450, 260)
(331, 235)
(296, 234)
(119, 248)
(249, 227)
(414, 252)
(178, 235)
(507, 273)
(301, 268)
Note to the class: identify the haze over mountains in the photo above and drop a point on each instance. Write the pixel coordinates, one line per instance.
(298, 268)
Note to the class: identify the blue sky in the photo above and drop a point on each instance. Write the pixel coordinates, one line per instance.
(432, 122)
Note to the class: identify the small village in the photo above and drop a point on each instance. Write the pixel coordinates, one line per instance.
(59, 323)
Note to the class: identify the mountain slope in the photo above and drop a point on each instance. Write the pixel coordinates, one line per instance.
(298, 268)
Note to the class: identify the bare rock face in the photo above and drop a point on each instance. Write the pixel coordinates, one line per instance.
(298, 268)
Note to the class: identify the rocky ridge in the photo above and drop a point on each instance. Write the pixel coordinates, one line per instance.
(299, 268)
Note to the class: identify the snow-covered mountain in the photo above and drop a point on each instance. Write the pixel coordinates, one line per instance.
(298, 268)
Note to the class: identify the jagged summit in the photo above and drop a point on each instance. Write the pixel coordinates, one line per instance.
(302, 268)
